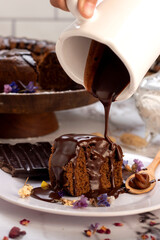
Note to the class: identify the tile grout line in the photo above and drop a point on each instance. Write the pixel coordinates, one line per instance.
(37, 19)
(13, 28)
(55, 13)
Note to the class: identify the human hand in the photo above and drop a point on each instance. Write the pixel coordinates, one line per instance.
(85, 7)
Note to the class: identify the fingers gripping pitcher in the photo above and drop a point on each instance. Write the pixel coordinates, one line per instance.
(128, 29)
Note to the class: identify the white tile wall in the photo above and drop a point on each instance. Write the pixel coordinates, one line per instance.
(49, 30)
(25, 8)
(33, 19)
(5, 27)
(64, 15)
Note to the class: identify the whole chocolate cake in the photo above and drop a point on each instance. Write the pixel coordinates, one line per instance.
(32, 60)
(85, 164)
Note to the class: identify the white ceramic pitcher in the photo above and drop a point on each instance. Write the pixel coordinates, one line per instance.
(129, 27)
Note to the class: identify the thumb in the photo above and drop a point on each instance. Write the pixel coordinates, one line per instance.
(86, 7)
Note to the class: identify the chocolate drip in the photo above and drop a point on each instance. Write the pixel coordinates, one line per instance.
(109, 81)
(25, 159)
(47, 195)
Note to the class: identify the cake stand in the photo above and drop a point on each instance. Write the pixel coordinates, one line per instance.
(25, 115)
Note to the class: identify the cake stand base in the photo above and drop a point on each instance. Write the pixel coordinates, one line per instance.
(27, 124)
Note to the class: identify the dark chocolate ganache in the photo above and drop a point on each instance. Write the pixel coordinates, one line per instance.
(66, 149)
(140, 181)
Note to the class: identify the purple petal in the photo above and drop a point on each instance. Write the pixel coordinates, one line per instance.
(7, 88)
(139, 164)
(81, 203)
(14, 87)
(61, 193)
(94, 227)
(102, 200)
(30, 87)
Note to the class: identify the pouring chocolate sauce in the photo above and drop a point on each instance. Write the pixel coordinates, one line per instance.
(105, 76)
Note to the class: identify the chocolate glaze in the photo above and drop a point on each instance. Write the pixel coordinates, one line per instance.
(25, 54)
(66, 150)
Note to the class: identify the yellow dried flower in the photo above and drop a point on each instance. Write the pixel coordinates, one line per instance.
(44, 185)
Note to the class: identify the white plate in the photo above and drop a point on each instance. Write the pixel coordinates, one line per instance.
(125, 204)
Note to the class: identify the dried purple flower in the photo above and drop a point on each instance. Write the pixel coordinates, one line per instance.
(138, 165)
(81, 203)
(30, 88)
(94, 227)
(102, 200)
(7, 88)
(14, 87)
(61, 193)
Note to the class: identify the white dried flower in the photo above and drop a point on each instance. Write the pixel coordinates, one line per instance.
(25, 191)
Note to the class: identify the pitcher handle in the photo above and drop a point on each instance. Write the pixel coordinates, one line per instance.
(72, 6)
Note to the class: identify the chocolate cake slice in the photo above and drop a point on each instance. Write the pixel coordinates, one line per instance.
(25, 159)
(85, 164)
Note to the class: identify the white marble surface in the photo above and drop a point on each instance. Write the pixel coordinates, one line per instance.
(44, 226)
